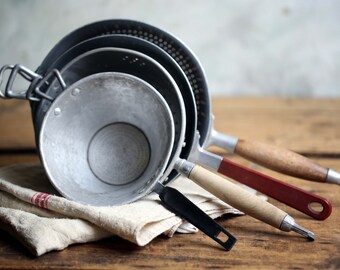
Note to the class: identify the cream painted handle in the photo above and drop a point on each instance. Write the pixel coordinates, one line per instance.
(281, 160)
(237, 197)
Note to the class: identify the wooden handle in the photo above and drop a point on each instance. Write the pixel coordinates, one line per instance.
(237, 197)
(281, 160)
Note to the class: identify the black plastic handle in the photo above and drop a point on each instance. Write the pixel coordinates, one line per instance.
(177, 203)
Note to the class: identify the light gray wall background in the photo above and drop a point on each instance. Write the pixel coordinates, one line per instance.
(251, 47)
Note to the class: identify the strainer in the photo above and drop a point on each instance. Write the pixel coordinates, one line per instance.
(107, 140)
(97, 147)
(223, 189)
(195, 74)
(193, 71)
(98, 179)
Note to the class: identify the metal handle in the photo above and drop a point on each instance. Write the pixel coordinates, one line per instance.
(33, 92)
(25, 73)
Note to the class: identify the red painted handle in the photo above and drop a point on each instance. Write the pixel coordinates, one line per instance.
(293, 196)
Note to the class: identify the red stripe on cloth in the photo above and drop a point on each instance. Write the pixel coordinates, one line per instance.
(40, 199)
(46, 201)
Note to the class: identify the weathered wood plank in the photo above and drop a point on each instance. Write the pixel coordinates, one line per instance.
(303, 125)
(308, 126)
(16, 125)
(9, 158)
(259, 246)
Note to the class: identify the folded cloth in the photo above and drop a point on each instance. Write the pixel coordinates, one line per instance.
(33, 212)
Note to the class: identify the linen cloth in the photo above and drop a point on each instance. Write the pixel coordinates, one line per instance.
(42, 220)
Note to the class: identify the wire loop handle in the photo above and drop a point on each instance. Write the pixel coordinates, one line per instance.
(33, 92)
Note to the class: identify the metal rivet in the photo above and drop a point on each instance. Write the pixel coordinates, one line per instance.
(57, 111)
(75, 91)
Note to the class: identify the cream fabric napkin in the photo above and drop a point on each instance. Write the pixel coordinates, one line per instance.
(33, 212)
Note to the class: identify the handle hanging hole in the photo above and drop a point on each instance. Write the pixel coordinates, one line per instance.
(222, 237)
(316, 207)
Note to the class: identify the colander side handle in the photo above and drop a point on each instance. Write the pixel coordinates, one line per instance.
(306, 202)
(177, 203)
(35, 81)
(14, 71)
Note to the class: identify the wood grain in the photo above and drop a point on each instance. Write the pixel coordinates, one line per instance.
(281, 160)
(16, 125)
(308, 126)
(302, 125)
(237, 197)
(259, 246)
(13, 157)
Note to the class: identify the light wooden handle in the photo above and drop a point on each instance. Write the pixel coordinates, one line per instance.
(237, 197)
(281, 160)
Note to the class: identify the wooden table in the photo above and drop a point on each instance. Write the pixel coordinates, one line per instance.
(308, 126)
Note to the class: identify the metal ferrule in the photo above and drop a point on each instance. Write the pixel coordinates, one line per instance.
(333, 177)
(184, 167)
(288, 224)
